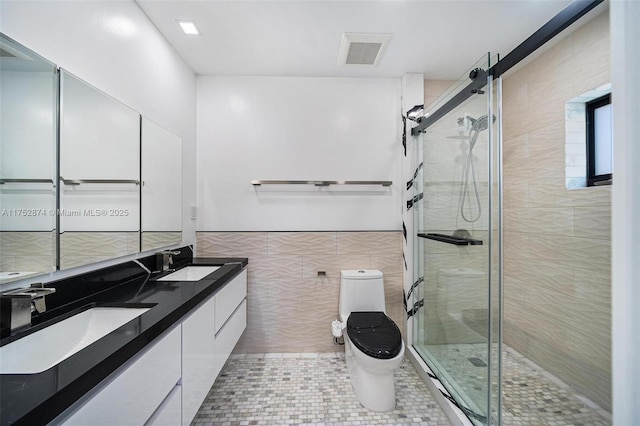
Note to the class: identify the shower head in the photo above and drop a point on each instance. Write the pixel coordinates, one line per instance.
(481, 123)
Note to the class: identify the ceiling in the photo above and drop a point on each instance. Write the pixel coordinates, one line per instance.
(441, 39)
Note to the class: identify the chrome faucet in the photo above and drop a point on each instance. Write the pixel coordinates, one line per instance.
(164, 259)
(19, 305)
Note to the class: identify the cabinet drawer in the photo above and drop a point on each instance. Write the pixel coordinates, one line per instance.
(229, 335)
(131, 397)
(170, 412)
(229, 297)
(198, 372)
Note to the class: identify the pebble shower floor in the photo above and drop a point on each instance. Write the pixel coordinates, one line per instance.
(308, 389)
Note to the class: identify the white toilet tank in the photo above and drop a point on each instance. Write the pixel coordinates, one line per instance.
(361, 290)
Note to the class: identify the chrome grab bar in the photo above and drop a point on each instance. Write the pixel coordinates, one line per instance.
(3, 181)
(321, 182)
(80, 181)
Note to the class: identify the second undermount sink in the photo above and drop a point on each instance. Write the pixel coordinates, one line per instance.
(48, 347)
(190, 273)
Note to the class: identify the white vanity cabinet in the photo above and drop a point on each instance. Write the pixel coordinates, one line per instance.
(134, 394)
(167, 383)
(170, 412)
(230, 319)
(198, 369)
(229, 298)
(209, 335)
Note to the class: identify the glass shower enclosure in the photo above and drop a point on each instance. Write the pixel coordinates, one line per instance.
(457, 247)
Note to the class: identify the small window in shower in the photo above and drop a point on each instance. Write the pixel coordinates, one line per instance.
(599, 141)
(588, 163)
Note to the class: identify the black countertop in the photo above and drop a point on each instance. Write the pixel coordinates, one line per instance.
(34, 399)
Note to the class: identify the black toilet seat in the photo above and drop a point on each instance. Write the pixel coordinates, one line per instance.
(375, 334)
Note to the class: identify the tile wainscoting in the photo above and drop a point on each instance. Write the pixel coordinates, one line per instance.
(17, 250)
(290, 307)
(82, 248)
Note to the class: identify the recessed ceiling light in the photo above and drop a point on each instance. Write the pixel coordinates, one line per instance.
(189, 27)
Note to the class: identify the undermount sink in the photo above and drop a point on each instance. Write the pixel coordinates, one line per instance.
(190, 273)
(48, 347)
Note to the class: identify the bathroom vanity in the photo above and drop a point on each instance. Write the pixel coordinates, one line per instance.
(86, 179)
(156, 368)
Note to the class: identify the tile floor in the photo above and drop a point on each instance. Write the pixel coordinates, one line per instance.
(309, 389)
(314, 389)
(534, 397)
(531, 396)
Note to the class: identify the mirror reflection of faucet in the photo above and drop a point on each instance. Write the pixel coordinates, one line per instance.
(164, 260)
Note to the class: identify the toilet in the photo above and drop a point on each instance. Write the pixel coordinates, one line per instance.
(373, 344)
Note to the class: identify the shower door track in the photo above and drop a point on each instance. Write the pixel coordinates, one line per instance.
(555, 26)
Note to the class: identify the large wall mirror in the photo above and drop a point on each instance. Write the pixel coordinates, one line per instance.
(28, 100)
(161, 187)
(83, 177)
(99, 175)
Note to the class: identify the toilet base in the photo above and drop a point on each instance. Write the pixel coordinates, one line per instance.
(372, 379)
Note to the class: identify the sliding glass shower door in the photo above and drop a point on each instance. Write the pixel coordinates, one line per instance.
(457, 330)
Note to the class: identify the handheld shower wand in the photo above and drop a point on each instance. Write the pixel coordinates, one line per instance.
(477, 126)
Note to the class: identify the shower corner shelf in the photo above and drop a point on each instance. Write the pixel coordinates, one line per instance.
(450, 239)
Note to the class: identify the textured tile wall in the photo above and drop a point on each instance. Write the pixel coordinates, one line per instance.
(156, 239)
(557, 241)
(28, 251)
(36, 251)
(290, 308)
(434, 89)
(82, 248)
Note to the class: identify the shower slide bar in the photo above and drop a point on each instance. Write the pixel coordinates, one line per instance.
(321, 182)
(450, 239)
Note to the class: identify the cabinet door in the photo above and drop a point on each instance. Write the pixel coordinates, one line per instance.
(135, 393)
(229, 335)
(170, 412)
(198, 372)
(229, 297)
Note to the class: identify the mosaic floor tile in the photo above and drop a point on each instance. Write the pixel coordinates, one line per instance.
(308, 391)
(291, 389)
(530, 397)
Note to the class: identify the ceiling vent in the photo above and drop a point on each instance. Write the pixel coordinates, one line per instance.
(362, 49)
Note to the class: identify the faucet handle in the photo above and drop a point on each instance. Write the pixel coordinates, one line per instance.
(39, 290)
(170, 252)
(39, 305)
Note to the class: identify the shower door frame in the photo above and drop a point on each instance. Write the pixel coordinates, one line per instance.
(553, 27)
(492, 290)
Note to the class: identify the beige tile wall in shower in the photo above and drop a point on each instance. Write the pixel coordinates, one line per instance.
(557, 302)
(434, 89)
(290, 307)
